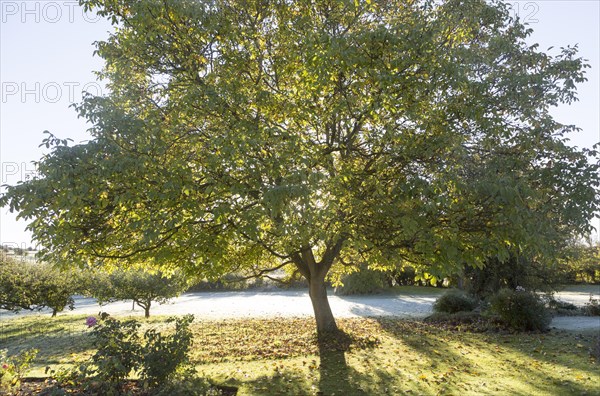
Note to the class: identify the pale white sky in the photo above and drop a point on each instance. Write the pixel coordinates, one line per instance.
(46, 61)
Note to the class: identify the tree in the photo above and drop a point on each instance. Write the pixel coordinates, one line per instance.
(581, 262)
(513, 273)
(257, 135)
(140, 286)
(34, 286)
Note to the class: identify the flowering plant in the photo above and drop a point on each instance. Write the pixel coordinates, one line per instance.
(15, 367)
(91, 321)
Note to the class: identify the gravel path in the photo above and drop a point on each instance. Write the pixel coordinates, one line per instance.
(296, 303)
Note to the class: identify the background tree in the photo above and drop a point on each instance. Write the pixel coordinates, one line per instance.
(140, 286)
(581, 263)
(513, 273)
(34, 286)
(253, 134)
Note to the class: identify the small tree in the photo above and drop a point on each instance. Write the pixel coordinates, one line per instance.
(33, 286)
(140, 286)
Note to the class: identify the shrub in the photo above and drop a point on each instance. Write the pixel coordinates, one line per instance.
(118, 351)
(562, 305)
(520, 310)
(163, 355)
(562, 308)
(592, 308)
(455, 301)
(365, 281)
(14, 368)
(159, 359)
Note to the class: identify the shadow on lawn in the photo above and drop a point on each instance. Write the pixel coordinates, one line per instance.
(51, 341)
(424, 359)
(335, 376)
(519, 356)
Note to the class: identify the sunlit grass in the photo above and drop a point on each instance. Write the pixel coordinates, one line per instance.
(386, 357)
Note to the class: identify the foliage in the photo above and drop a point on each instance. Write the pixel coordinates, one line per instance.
(118, 350)
(264, 134)
(581, 263)
(520, 310)
(515, 272)
(364, 281)
(455, 301)
(15, 367)
(403, 277)
(158, 358)
(234, 282)
(140, 286)
(562, 308)
(33, 286)
(592, 307)
(163, 355)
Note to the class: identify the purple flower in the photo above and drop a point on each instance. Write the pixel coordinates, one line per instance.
(91, 321)
(5, 366)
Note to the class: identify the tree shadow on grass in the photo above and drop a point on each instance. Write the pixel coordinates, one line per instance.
(332, 376)
(447, 352)
(53, 344)
(333, 368)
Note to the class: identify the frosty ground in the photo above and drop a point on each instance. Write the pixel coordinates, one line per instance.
(296, 303)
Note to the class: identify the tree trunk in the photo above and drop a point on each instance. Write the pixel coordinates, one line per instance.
(323, 315)
(54, 311)
(147, 311)
(315, 273)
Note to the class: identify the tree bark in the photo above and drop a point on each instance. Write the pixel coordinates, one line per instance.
(147, 311)
(323, 315)
(315, 273)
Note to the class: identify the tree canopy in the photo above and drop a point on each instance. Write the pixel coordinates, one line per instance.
(35, 286)
(140, 286)
(258, 134)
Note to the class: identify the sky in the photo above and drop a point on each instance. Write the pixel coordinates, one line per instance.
(46, 62)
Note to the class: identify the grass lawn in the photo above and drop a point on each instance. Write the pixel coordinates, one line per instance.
(385, 357)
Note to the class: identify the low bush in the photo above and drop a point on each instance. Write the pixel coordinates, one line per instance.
(520, 310)
(162, 356)
(118, 351)
(557, 304)
(455, 301)
(562, 308)
(14, 368)
(592, 308)
(161, 360)
(365, 281)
